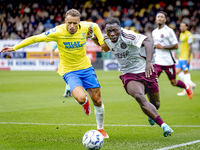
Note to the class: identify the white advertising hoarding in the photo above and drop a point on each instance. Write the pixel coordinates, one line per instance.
(28, 64)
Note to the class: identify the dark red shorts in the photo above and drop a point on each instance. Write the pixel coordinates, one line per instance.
(150, 84)
(170, 71)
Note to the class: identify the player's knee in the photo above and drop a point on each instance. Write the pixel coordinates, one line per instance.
(96, 101)
(81, 99)
(173, 82)
(138, 96)
(157, 105)
(140, 99)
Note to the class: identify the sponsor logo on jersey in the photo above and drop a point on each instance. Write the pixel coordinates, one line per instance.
(75, 44)
(122, 55)
(84, 35)
(162, 36)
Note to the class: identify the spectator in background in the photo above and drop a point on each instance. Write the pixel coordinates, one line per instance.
(58, 18)
(48, 25)
(18, 25)
(137, 25)
(100, 21)
(128, 22)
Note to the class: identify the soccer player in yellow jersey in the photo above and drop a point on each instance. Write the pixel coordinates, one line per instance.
(74, 65)
(186, 40)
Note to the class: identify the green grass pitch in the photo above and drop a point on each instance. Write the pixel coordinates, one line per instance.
(35, 116)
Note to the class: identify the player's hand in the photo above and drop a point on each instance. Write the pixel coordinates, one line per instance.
(104, 47)
(158, 46)
(51, 61)
(188, 61)
(149, 70)
(7, 49)
(91, 33)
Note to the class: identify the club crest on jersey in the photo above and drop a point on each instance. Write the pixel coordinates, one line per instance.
(123, 45)
(162, 36)
(84, 35)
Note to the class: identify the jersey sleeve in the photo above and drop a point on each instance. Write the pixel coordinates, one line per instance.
(172, 37)
(132, 38)
(98, 33)
(138, 40)
(54, 46)
(29, 41)
(190, 39)
(50, 35)
(44, 37)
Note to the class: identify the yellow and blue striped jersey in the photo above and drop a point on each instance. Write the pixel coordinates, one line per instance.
(185, 39)
(72, 47)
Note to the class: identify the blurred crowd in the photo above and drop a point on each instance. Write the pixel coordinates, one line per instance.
(22, 19)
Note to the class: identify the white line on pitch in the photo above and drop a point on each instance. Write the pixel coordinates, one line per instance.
(179, 145)
(111, 125)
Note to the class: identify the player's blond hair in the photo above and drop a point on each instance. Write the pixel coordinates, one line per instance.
(73, 13)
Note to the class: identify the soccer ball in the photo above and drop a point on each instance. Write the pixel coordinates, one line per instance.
(93, 139)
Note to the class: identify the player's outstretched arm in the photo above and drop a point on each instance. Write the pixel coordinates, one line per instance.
(24, 43)
(169, 47)
(51, 56)
(96, 32)
(104, 47)
(7, 49)
(93, 36)
(149, 48)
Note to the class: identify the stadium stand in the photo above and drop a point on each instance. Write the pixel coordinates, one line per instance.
(21, 19)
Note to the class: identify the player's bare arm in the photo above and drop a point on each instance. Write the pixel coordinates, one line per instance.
(149, 55)
(93, 36)
(7, 49)
(95, 40)
(169, 47)
(190, 52)
(104, 47)
(51, 56)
